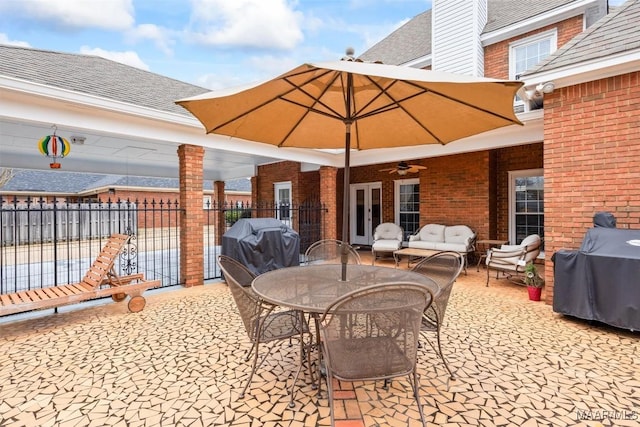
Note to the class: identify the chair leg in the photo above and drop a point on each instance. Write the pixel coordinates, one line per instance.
(444, 360)
(253, 368)
(413, 379)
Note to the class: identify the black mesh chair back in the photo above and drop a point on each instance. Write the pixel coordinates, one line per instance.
(444, 268)
(328, 251)
(372, 334)
(262, 323)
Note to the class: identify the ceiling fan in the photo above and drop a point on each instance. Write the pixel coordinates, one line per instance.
(404, 168)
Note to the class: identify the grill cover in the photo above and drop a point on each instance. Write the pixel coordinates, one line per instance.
(601, 281)
(262, 244)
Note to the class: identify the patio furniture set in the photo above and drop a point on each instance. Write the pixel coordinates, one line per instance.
(427, 241)
(367, 327)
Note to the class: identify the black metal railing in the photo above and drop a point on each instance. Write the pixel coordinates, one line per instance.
(305, 218)
(48, 243)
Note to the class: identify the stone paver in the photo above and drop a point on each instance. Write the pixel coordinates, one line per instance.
(180, 362)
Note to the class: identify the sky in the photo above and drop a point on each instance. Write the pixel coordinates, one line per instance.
(210, 43)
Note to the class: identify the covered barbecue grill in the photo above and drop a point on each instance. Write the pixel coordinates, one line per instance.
(601, 280)
(262, 244)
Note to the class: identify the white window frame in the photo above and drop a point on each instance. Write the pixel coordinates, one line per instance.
(396, 195)
(277, 186)
(536, 38)
(512, 199)
(551, 35)
(206, 202)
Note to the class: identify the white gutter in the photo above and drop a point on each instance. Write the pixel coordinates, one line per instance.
(586, 71)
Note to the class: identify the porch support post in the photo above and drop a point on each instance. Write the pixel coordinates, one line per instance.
(329, 198)
(192, 218)
(218, 206)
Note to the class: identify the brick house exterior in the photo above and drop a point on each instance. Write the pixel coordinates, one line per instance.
(586, 146)
(590, 153)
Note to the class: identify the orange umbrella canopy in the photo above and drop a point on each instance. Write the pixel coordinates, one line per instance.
(389, 106)
(352, 104)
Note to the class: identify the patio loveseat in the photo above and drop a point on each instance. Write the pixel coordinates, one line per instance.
(439, 237)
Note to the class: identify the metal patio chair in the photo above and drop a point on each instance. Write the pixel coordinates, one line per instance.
(372, 334)
(444, 268)
(262, 321)
(328, 251)
(512, 259)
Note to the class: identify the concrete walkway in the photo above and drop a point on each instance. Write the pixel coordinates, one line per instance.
(179, 362)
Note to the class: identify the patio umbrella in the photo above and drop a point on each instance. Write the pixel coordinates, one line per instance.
(351, 104)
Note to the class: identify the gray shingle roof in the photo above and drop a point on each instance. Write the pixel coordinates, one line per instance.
(409, 42)
(413, 39)
(615, 33)
(96, 76)
(502, 13)
(61, 182)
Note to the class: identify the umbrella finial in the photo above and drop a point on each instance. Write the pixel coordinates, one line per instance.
(349, 52)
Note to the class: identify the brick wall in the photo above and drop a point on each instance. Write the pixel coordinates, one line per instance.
(496, 56)
(454, 190)
(470, 188)
(510, 159)
(277, 172)
(592, 159)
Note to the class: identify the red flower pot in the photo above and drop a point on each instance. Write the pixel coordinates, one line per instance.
(534, 293)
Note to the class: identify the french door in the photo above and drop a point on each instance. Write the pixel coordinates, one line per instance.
(365, 212)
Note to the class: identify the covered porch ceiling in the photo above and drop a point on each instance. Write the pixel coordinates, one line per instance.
(124, 139)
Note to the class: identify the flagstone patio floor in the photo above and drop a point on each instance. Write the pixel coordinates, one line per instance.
(179, 362)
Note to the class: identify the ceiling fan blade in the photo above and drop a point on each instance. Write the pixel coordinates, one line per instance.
(415, 168)
(386, 170)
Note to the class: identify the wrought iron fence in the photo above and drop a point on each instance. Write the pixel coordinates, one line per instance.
(47, 243)
(305, 218)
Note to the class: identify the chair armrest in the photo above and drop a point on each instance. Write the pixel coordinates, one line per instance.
(471, 243)
(414, 238)
(503, 255)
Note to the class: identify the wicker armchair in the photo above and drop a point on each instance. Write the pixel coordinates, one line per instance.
(328, 251)
(372, 334)
(262, 323)
(444, 268)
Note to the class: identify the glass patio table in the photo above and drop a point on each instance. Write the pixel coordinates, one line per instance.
(312, 288)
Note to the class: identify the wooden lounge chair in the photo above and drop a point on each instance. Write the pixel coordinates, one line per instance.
(100, 280)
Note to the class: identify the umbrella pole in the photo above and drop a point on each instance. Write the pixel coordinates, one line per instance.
(346, 201)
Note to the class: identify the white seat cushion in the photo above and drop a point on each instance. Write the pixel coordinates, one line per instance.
(386, 245)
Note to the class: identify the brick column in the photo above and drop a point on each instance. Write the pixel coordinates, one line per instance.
(328, 197)
(192, 218)
(219, 203)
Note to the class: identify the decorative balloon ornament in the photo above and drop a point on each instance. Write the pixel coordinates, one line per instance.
(54, 146)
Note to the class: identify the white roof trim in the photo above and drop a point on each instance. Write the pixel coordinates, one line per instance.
(586, 71)
(47, 91)
(536, 22)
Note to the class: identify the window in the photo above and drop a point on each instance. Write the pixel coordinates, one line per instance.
(282, 191)
(407, 195)
(206, 202)
(525, 54)
(526, 194)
